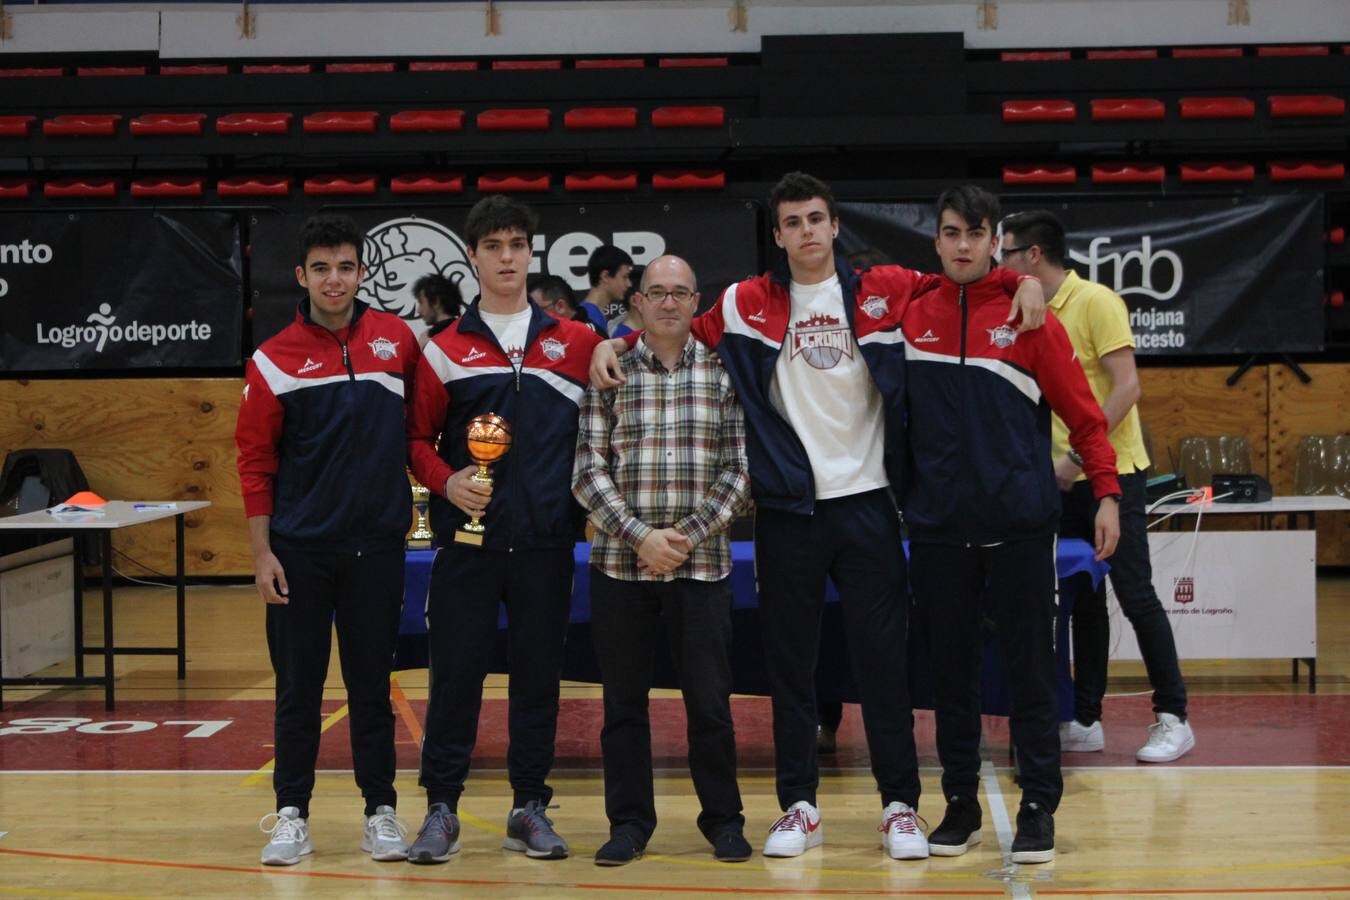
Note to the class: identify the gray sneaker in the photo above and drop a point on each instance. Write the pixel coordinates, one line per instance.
(385, 837)
(530, 831)
(288, 837)
(438, 838)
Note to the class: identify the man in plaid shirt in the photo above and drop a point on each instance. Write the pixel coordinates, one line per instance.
(662, 470)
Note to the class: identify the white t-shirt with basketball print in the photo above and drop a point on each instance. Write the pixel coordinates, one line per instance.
(822, 386)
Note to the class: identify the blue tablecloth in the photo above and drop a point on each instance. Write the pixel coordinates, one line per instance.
(1077, 571)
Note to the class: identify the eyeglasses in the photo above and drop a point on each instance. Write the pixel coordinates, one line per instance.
(1009, 251)
(659, 295)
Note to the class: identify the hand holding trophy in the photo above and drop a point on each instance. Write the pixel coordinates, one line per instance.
(489, 437)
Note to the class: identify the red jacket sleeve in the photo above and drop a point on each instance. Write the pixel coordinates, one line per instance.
(1066, 389)
(708, 326)
(426, 420)
(257, 434)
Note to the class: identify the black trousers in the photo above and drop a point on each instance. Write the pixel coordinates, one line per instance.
(855, 541)
(363, 595)
(1017, 579)
(625, 619)
(468, 586)
(1132, 577)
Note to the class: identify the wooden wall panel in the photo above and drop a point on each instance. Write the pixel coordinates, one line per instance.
(1297, 410)
(153, 439)
(1178, 403)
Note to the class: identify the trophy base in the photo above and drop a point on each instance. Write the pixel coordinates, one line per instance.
(471, 538)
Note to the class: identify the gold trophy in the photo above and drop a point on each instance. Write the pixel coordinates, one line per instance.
(421, 536)
(489, 437)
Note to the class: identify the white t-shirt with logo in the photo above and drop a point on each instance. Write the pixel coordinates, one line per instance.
(822, 386)
(511, 331)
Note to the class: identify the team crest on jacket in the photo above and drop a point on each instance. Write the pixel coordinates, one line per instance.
(823, 341)
(1003, 336)
(553, 348)
(876, 306)
(384, 348)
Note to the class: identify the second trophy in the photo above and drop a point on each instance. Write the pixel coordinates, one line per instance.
(489, 437)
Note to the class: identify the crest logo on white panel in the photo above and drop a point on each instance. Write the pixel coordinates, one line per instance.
(400, 251)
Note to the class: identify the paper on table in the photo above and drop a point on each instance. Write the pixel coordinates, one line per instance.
(73, 509)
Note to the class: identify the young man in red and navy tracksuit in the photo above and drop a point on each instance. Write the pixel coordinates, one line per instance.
(816, 357)
(322, 467)
(982, 508)
(504, 355)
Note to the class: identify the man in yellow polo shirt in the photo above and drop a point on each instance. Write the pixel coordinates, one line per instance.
(1098, 325)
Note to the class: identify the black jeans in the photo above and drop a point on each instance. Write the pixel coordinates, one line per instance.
(1132, 577)
(1016, 580)
(625, 618)
(363, 595)
(468, 586)
(855, 541)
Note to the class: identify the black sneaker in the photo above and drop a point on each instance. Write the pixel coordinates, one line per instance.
(960, 828)
(1035, 841)
(619, 850)
(731, 846)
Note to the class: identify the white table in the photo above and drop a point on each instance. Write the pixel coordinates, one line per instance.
(115, 514)
(1287, 506)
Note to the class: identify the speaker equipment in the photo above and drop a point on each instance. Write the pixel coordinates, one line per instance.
(1244, 488)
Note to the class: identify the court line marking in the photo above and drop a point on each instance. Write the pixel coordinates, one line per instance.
(261, 774)
(998, 810)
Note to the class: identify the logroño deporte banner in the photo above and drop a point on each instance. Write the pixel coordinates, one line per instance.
(119, 290)
(718, 238)
(1199, 276)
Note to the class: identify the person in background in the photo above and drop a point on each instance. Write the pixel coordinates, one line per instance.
(439, 302)
(551, 294)
(610, 271)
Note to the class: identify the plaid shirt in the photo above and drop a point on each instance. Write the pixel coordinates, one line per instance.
(664, 450)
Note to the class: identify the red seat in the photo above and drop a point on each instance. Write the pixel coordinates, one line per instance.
(340, 184)
(427, 183)
(1306, 170)
(114, 71)
(1039, 110)
(1035, 55)
(1039, 173)
(254, 186)
(278, 69)
(1295, 50)
(91, 125)
(15, 188)
(689, 117)
(1228, 170)
(1311, 105)
(16, 126)
(593, 118)
(254, 123)
(350, 68)
(1217, 107)
(194, 70)
(632, 63)
(692, 62)
(692, 180)
(1127, 173)
(33, 72)
(167, 124)
(1336, 236)
(427, 120)
(444, 65)
(513, 182)
(1206, 52)
(525, 65)
(168, 186)
(1127, 108)
(347, 122)
(1123, 54)
(81, 187)
(1336, 299)
(533, 119)
(601, 181)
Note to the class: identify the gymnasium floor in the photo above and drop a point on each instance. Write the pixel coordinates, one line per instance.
(165, 803)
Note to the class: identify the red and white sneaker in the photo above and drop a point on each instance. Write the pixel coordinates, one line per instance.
(900, 832)
(795, 832)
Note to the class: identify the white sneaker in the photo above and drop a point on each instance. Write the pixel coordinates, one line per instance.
(1077, 738)
(288, 837)
(1169, 738)
(385, 837)
(900, 832)
(795, 832)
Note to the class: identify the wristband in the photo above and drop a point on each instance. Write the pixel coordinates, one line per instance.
(1075, 457)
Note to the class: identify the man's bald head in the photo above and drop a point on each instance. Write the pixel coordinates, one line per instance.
(669, 271)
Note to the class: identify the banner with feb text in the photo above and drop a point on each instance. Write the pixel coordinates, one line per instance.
(1198, 275)
(119, 290)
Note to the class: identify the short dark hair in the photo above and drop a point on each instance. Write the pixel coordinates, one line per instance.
(441, 293)
(1042, 228)
(795, 187)
(606, 258)
(329, 230)
(554, 287)
(974, 204)
(498, 212)
(868, 257)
